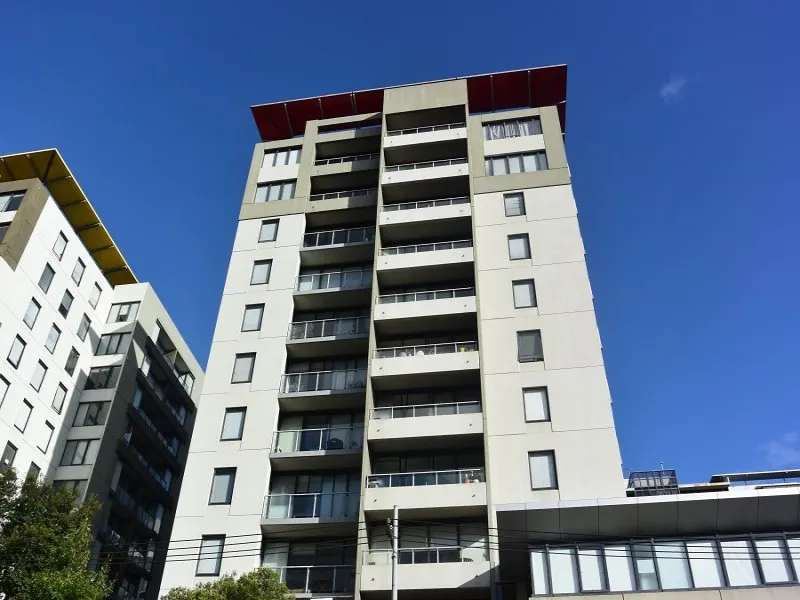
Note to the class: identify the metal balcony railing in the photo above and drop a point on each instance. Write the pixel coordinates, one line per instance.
(171, 446)
(451, 477)
(425, 203)
(466, 292)
(344, 194)
(319, 579)
(144, 517)
(345, 159)
(162, 479)
(312, 505)
(433, 247)
(427, 410)
(161, 394)
(426, 350)
(427, 128)
(355, 235)
(350, 279)
(314, 440)
(426, 165)
(318, 381)
(427, 556)
(144, 561)
(305, 330)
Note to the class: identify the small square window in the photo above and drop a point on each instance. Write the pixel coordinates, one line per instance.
(243, 368)
(39, 372)
(9, 454)
(269, 231)
(15, 353)
(66, 303)
(33, 471)
(524, 293)
(31, 313)
(233, 424)
(60, 245)
(536, 404)
(97, 291)
(209, 559)
(529, 346)
(261, 272)
(514, 204)
(543, 470)
(253, 314)
(78, 271)
(52, 339)
(519, 246)
(47, 278)
(222, 486)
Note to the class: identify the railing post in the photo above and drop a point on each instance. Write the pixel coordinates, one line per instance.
(308, 576)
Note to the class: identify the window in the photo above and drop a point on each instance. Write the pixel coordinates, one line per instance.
(47, 436)
(38, 375)
(519, 246)
(47, 278)
(78, 485)
(515, 204)
(4, 385)
(80, 452)
(498, 130)
(60, 245)
(261, 271)
(243, 368)
(9, 454)
(740, 563)
(269, 231)
(123, 313)
(233, 424)
(59, 398)
(543, 470)
(279, 158)
(222, 486)
(536, 405)
(84, 327)
(3, 230)
(11, 202)
(253, 313)
(516, 163)
(209, 559)
(113, 343)
(72, 361)
(78, 271)
(277, 190)
(97, 291)
(33, 471)
(90, 414)
(524, 293)
(31, 313)
(52, 338)
(23, 416)
(101, 378)
(529, 346)
(16, 352)
(66, 303)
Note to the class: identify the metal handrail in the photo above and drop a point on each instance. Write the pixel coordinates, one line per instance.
(346, 437)
(330, 237)
(316, 381)
(465, 292)
(426, 349)
(303, 330)
(426, 128)
(161, 393)
(429, 555)
(345, 159)
(311, 505)
(154, 429)
(419, 478)
(346, 279)
(343, 194)
(127, 500)
(146, 464)
(426, 203)
(340, 579)
(426, 165)
(432, 247)
(427, 410)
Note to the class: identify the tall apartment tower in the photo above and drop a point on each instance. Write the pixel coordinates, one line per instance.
(98, 389)
(407, 321)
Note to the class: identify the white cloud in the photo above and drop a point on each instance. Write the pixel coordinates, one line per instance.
(673, 89)
(783, 452)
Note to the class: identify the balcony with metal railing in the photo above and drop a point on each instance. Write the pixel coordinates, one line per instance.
(429, 170)
(426, 364)
(283, 512)
(333, 289)
(338, 246)
(452, 309)
(425, 219)
(444, 425)
(425, 263)
(319, 580)
(308, 449)
(328, 337)
(351, 169)
(339, 389)
(346, 159)
(360, 193)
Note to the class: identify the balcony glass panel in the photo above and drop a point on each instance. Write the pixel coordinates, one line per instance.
(426, 165)
(351, 379)
(426, 410)
(314, 440)
(426, 350)
(345, 326)
(426, 204)
(344, 194)
(426, 129)
(426, 478)
(422, 296)
(345, 159)
(355, 235)
(431, 247)
(357, 278)
(312, 505)
(319, 580)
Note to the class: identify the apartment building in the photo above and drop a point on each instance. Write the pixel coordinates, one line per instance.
(407, 321)
(98, 390)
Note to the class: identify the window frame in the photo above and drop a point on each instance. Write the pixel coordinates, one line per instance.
(265, 222)
(9, 449)
(222, 471)
(525, 359)
(131, 312)
(546, 406)
(521, 196)
(229, 410)
(110, 344)
(63, 309)
(257, 263)
(29, 406)
(260, 308)
(38, 306)
(88, 442)
(51, 429)
(105, 378)
(274, 153)
(522, 236)
(244, 355)
(59, 238)
(39, 366)
(532, 283)
(84, 327)
(552, 457)
(71, 363)
(4, 389)
(94, 298)
(82, 265)
(57, 329)
(219, 551)
(282, 186)
(52, 275)
(24, 344)
(60, 406)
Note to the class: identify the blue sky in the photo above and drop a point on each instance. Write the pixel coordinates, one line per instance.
(682, 130)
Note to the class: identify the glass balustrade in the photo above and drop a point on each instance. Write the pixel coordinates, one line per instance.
(356, 278)
(427, 295)
(312, 505)
(427, 410)
(315, 440)
(451, 477)
(426, 350)
(346, 326)
(432, 247)
(425, 204)
(318, 381)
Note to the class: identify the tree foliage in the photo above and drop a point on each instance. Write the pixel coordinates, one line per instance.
(45, 543)
(261, 584)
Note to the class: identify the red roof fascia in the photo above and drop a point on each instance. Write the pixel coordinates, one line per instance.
(545, 86)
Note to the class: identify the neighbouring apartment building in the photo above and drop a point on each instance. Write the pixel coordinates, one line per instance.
(98, 390)
(407, 321)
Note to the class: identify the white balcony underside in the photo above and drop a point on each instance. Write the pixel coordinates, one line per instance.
(441, 576)
(448, 431)
(427, 501)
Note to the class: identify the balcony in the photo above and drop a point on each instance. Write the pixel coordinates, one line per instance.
(426, 426)
(127, 506)
(431, 568)
(298, 513)
(425, 171)
(326, 337)
(425, 135)
(146, 470)
(337, 246)
(426, 365)
(346, 168)
(305, 391)
(343, 203)
(348, 287)
(459, 493)
(319, 580)
(309, 449)
(170, 409)
(426, 218)
(448, 309)
(167, 449)
(425, 263)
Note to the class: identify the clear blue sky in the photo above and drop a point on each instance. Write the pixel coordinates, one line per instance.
(683, 124)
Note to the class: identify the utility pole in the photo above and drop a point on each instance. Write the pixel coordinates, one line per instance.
(392, 530)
